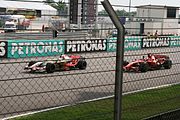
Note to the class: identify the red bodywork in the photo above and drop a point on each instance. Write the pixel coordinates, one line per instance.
(133, 66)
(160, 59)
(74, 61)
(157, 64)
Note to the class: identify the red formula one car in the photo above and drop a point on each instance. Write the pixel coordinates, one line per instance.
(64, 62)
(152, 62)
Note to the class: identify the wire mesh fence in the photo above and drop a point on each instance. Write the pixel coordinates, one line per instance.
(73, 74)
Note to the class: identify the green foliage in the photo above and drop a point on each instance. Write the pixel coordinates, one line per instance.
(102, 13)
(60, 6)
(50, 2)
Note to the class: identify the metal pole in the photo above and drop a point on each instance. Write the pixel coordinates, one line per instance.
(96, 19)
(129, 6)
(68, 15)
(119, 59)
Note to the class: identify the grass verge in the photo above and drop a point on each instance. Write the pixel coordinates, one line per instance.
(135, 106)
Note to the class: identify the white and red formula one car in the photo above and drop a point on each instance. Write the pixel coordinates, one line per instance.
(64, 62)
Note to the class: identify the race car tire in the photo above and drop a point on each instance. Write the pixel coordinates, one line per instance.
(32, 71)
(143, 67)
(167, 64)
(82, 65)
(125, 63)
(31, 63)
(50, 68)
(159, 66)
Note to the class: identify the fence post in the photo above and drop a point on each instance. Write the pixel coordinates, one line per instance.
(119, 59)
(54, 32)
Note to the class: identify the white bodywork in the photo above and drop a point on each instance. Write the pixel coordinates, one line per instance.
(35, 67)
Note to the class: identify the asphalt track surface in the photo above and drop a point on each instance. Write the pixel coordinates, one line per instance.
(23, 91)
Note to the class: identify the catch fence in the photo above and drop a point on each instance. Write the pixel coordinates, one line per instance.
(88, 93)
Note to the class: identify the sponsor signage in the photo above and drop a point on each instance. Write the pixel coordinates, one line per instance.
(130, 44)
(34, 48)
(175, 41)
(39, 48)
(78, 46)
(3, 49)
(156, 42)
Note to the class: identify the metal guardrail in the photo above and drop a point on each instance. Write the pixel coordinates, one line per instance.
(44, 35)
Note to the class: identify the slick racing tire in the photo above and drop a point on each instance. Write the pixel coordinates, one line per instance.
(32, 71)
(143, 67)
(167, 64)
(82, 65)
(50, 68)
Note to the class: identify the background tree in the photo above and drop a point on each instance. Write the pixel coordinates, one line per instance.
(102, 13)
(119, 13)
(60, 6)
(50, 2)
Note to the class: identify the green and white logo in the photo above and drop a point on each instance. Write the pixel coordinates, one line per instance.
(129, 44)
(34, 48)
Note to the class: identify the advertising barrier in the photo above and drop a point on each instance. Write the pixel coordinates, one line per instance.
(130, 44)
(3, 49)
(175, 41)
(155, 42)
(39, 48)
(80, 46)
(34, 48)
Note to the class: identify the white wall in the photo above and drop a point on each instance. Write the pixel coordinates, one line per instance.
(148, 12)
(159, 21)
(170, 26)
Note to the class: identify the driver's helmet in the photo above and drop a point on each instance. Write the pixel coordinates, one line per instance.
(66, 57)
(63, 56)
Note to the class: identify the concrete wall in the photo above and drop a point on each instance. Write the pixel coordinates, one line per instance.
(154, 18)
(149, 12)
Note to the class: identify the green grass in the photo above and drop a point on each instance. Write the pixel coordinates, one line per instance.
(135, 106)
